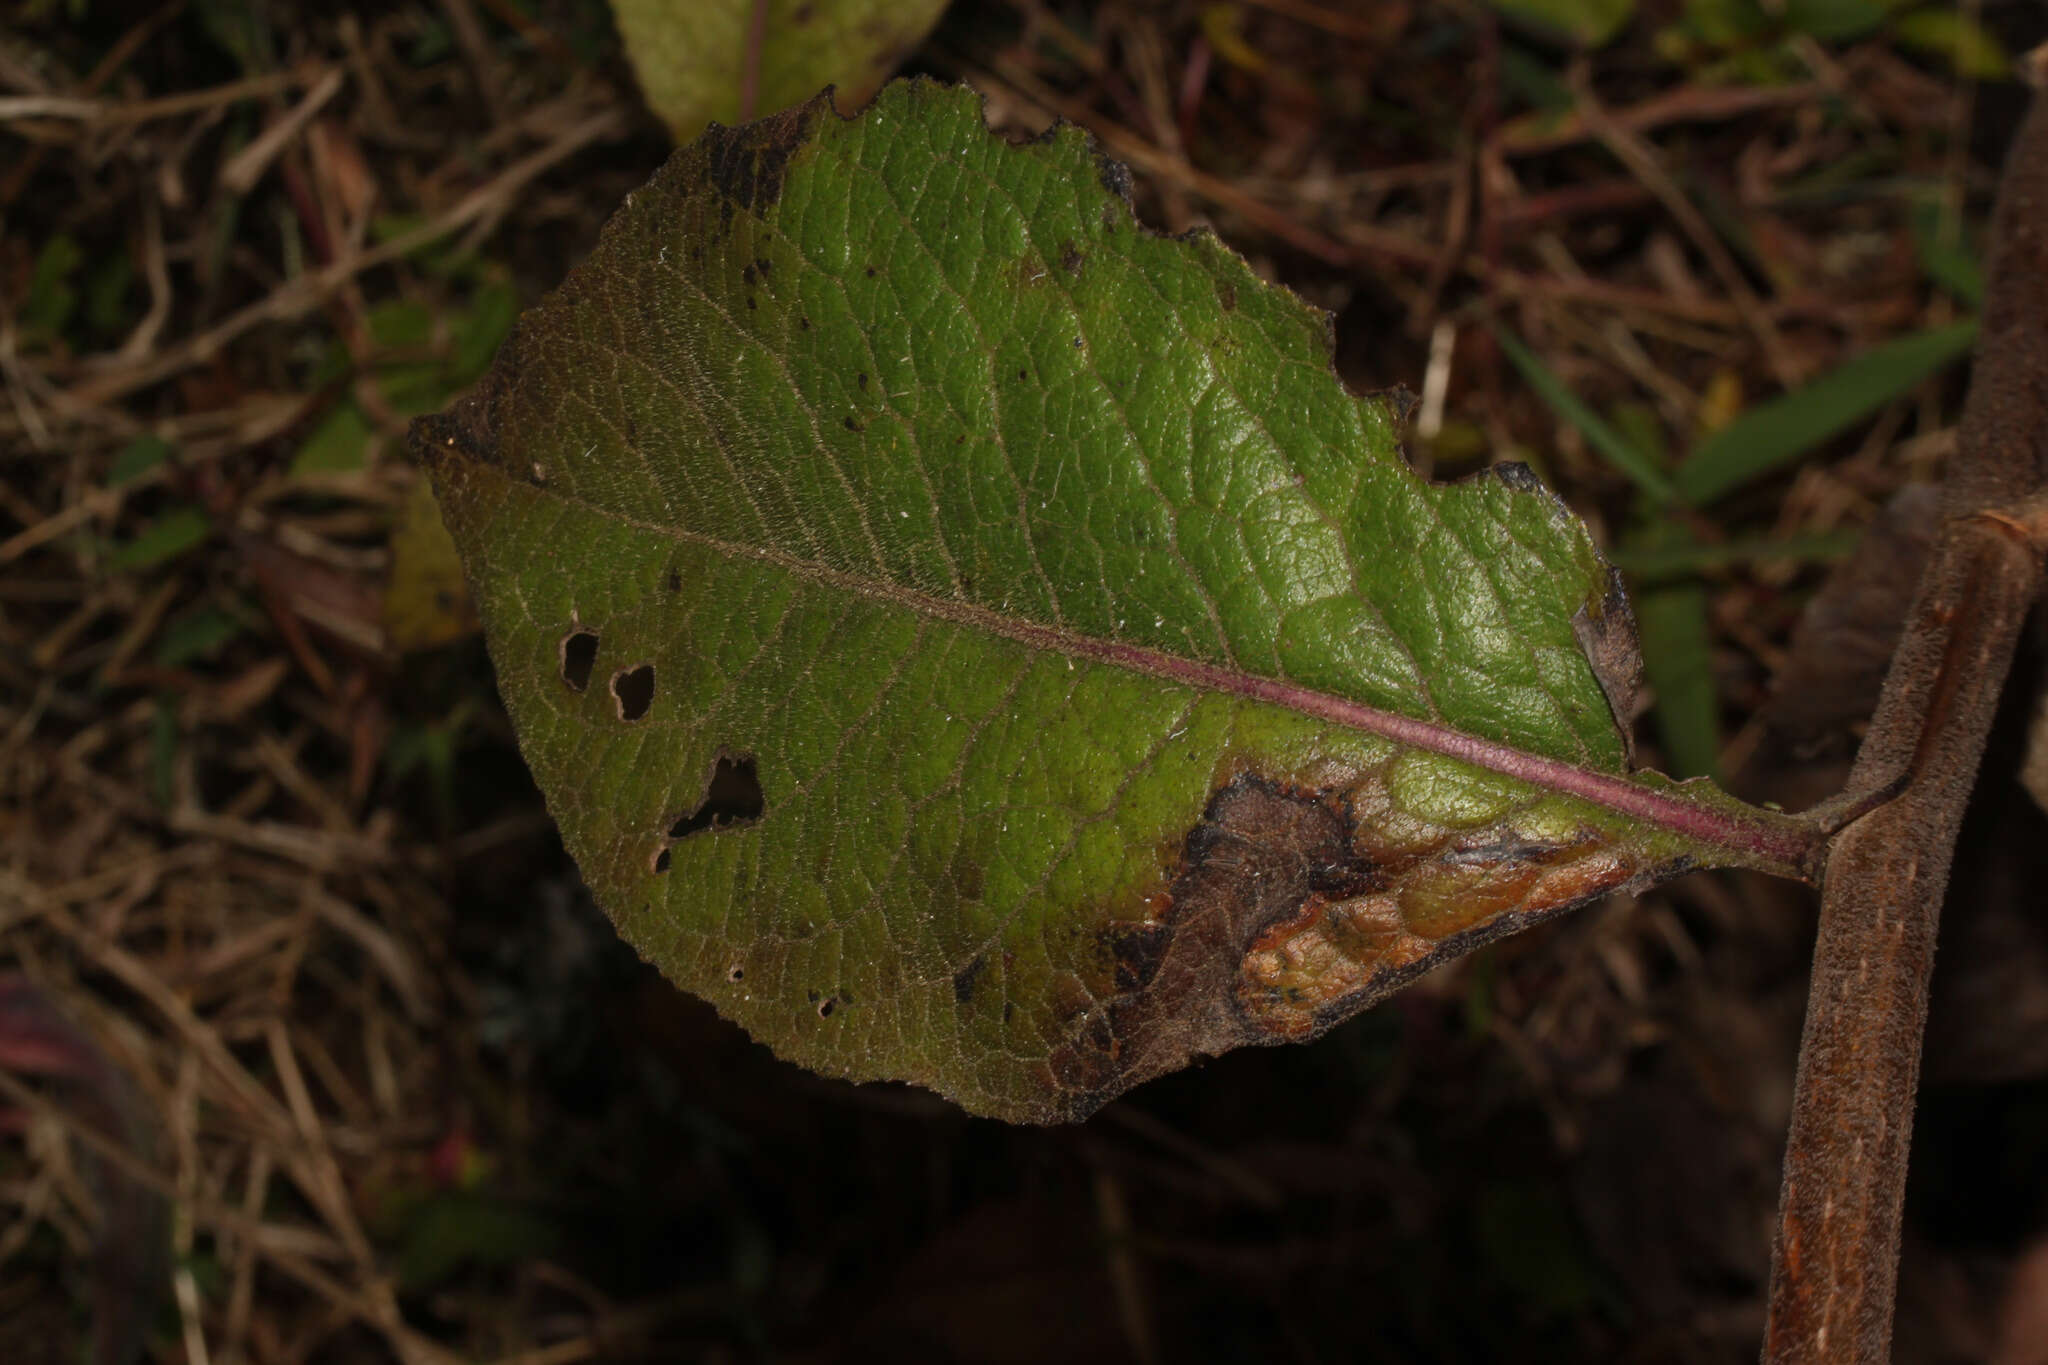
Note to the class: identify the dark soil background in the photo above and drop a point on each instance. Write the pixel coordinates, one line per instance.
(297, 982)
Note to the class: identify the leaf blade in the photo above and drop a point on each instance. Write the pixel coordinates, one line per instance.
(1033, 647)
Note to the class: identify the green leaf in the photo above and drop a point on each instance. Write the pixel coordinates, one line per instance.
(51, 296)
(481, 329)
(1832, 21)
(973, 640)
(1964, 43)
(179, 529)
(443, 257)
(199, 633)
(397, 323)
(1660, 563)
(1768, 437)
(1588, 23)
(340, 444)
(692, 55)
(1949, 263)
(426, 602)
(1724, 23)
(418, 366)
(1678, 664)
(137, 458)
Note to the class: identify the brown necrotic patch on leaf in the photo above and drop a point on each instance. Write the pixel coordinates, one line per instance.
(745, 165)
(1285, 915)
(447, 443)
(1333, 958)
(1114, 175)
(967, 978)
(1255, 857)
(1138, 950)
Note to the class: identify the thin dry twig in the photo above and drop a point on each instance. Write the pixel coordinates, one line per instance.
(113, 114)
(311, 290)
(240, 172)
(1535, 133)
(477, 55)
(1633, 152)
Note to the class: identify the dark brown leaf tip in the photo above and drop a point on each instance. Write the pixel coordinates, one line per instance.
(745, 165)
(442, 442)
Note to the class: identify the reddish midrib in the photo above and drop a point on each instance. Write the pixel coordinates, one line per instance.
(1785, 842)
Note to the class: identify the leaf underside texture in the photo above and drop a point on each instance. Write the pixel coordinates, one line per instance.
(973, 640)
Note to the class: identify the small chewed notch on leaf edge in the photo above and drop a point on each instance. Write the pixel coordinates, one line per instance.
(1119, 694)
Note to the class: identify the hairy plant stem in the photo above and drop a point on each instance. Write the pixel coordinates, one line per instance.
(1835, 1258)
(1834, 1262)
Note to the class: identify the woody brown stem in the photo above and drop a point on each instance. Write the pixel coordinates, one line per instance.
(1834, 1264)
(1835, 1261)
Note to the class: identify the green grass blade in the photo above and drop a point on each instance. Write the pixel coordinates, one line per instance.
(1618, 451)
(1950, 264)
(1775, 434)
(1652, 564)
(1678, 665)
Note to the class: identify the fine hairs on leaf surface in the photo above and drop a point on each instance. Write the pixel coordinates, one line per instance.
(976, 641)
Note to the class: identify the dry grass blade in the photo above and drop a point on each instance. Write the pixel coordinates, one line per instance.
(311, 290)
